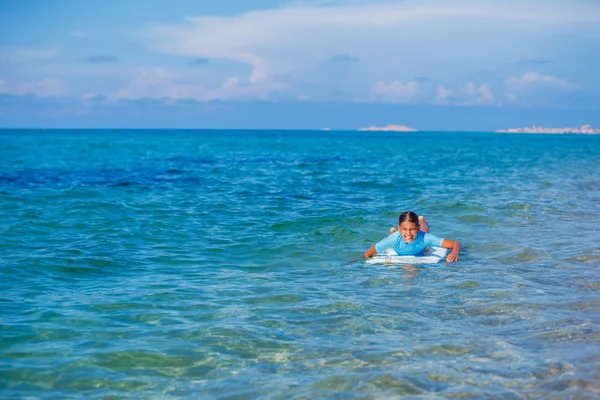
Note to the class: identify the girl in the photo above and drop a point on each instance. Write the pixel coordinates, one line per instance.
(412, 238)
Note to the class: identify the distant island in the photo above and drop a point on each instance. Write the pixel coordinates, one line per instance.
(582, 130)
(389, 128)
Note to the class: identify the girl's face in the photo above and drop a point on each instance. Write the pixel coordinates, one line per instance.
(408, 231)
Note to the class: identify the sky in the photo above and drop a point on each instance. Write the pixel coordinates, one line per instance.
(271, 64)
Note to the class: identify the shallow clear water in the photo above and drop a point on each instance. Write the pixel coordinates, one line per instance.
(199, 264)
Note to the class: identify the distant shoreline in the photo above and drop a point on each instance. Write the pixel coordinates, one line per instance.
(532, 131)
(582, 130)
(389, 128)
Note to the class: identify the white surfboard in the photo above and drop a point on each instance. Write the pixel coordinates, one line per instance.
(434, 255)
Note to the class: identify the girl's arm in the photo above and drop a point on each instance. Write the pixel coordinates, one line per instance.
(455, 246)
(370, 253)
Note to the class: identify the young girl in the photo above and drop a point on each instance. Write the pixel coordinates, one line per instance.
(413, 238)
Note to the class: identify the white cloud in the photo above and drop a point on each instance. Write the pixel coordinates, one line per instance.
(394, 92)
(394, 41)
(532, 80)
(158, 83)
(481, 95)
(48, 87)
(534, 88)
(89, 96)
(469, 95)
(442, 95)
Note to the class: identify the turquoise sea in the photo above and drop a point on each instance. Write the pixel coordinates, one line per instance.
(216, 265)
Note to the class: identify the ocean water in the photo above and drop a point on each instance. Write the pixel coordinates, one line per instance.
(218, 265)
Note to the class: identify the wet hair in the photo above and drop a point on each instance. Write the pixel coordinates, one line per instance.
(408, 216)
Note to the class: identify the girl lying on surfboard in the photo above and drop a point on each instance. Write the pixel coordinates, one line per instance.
(412, 238)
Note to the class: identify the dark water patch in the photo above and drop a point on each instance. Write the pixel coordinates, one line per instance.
(55, 179)
(477, 219)
(194, 160)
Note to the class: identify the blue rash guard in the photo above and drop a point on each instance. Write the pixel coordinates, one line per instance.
(416, 247)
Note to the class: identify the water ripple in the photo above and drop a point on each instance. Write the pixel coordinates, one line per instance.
(216, 265)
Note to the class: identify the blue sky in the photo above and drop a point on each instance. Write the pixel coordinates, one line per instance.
(429, 64)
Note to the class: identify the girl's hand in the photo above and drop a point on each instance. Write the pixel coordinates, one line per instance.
(370, 253)
(452, 257)
(455, 246)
